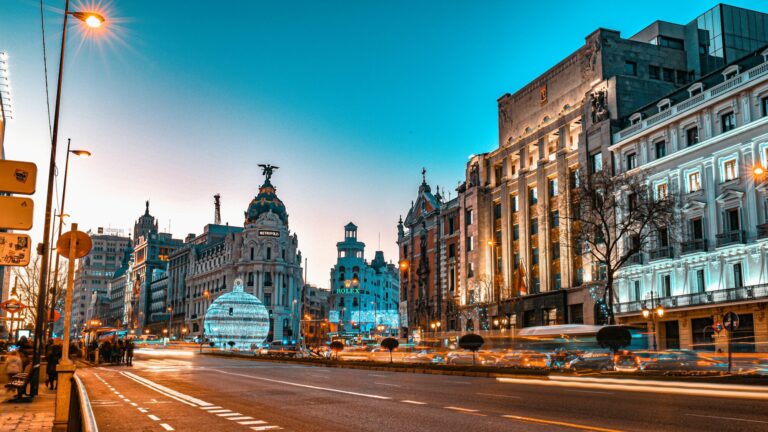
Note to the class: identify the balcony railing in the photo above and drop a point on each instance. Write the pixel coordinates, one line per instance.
(739, 80)
(695, 245)
(752, 292)
(661, 253)
(762, 230)
(731, 237)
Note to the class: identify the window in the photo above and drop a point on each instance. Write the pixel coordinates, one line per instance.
(554, 218)
(727, 122)
(661, 191)
(516, 232)
(549, 316)
(661, 149)
(451, 225)
(269, 253)
(557, 282)
(553, 187)
(699, 285)
(451, 250)
(513, 203)
(497, 210)
(682, 77)
(632, 201)
(697, 229)
(694, 181)
(556, 250)
(596, 162)
(669, 42)
(654, 72)
(630, 68)
(470, 270)
(498, 174)
(579, 278)
(573, 178)
(764, 105)
(516, 261)
(738, 279)
(468, 217)
(662, 237)
(635, 294)
(535, 256)
(533, 196)
(729, 169)
(534, 226)
(732, 220)
(470, 243)
(692, 136)
(668, 75)
(267, 299)
(666, 285)
(631, 161)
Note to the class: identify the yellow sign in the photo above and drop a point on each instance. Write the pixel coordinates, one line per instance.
(17, 177)
(15, 249)
(16, 212)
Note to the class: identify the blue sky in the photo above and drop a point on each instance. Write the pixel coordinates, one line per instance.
(181, 100)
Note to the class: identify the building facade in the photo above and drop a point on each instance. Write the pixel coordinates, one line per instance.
(363, 295)
(315, 315)
(94, 272)
(707, 146)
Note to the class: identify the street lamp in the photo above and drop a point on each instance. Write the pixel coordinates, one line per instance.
(54, 288)
(652, 314)
(90, 19)
(492, 245)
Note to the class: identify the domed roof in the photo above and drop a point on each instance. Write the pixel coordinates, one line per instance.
(238, 317)
(265, 201)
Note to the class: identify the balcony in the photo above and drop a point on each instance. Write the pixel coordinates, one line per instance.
(731, 237)
(752, 292)
(635, 259)
(660, 253)
(762, 231)
(695, 245)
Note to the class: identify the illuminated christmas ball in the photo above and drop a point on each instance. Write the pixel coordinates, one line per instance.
(237, 317)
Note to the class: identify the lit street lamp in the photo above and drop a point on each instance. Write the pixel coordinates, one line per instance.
(92, 20)
(652, 314)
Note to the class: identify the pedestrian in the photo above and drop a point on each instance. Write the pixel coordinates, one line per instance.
(120, 351)
(52, 357)
(13, 364)
(129, 352)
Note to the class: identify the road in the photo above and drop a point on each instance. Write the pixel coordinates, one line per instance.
(202, 393)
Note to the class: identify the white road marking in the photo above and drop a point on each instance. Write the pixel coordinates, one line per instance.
(143, 410)
(173, 394)
(728, 418)
(413, 402)
(240, 418)
(386, 384)
(228, 414)
(220, 411)
(372, 396)
(261, 428)
(460, 409)
(166, 426)
(500, 395)
(210, 407)
(378, 375)
(245, 423)
(134, 404)
(153, 417)
(588, 391)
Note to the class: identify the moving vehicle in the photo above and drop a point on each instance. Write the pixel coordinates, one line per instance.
(523, 359)
(591, 362)
(682, 362)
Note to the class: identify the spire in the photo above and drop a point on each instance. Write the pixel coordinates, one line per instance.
(146, 211)
(424, 176)
(217, 209)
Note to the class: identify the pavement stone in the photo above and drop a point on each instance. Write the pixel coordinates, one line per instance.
(34, 416)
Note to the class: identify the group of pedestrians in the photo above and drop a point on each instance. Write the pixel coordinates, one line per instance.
(111, 351)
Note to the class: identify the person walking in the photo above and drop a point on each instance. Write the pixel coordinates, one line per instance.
(52, 357)
(129, 352)
(13, 364)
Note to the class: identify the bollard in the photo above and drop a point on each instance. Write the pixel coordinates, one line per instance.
(96, 357)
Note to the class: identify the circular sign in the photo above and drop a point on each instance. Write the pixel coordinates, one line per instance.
(12, 306)
(731, 321)
(718, 327)
(82, 241)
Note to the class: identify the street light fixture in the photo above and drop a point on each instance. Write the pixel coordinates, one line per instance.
(652, 314)
(90, 19)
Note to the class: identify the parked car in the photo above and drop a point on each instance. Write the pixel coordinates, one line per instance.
(683, 362)
(591, 362)
(423, 357)
(523, 359)
(626, 361)
(466, 358)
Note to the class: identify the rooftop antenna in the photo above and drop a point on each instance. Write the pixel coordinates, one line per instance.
(217, 206)
(379, 240)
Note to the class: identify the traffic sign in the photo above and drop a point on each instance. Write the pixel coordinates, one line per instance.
(83, 244)
(718, 327)
(731, 321)
(18, 177)
(15, 249)
(16, 212)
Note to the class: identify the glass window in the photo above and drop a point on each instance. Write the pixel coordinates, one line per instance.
(654, 72)
(534, 226)
(697, 229)
(535, 256)
(555, 218)
(694, 181)
(516, 232)
(661, 191)
(556, 250)
(729, 169)
(661, 149)
(764, 105)
(668, 75)
(700, 285)
(574, 178)
(497, 210)
(596, 162)
(692, 136)
(533, 196)
(738, 278)
(630, 68)
(513, 203)
(728, 121)
(553, 187)
(631, 161)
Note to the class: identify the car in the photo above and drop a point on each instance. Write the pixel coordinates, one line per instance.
(682, 362)
(354, 354)
(591, 362)
(423, 357)
(467, 358)
(626, 361)
(523, 359)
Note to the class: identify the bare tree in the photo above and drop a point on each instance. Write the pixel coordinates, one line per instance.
(27, 280)
(614, 218)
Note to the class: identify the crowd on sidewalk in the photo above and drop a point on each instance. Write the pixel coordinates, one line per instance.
(116, 351)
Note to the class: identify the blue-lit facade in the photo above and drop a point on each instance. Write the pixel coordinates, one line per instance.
(364, 296)
(237, 320)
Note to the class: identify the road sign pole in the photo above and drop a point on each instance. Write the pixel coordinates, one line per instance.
(730, 339)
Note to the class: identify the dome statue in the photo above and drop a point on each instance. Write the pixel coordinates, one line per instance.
(237, 317)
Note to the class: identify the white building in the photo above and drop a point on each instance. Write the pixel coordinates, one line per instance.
(706, 146)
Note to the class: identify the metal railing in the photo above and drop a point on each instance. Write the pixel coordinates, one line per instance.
(751, 292)
(660, 253)
(695, 245)
(731, 237)
(81, 418)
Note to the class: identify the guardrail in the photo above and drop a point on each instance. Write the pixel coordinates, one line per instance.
(752, 292)
(81, 418)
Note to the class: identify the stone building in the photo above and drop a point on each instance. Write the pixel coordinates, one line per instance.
(315, 315)
(118, 292)
(706, 145)
(363, 295)
(94, 271)
(519, 263)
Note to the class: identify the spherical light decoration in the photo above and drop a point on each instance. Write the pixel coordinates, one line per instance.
(237, 317)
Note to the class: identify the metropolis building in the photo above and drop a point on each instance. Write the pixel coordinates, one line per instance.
(706, 145)
(515, 263)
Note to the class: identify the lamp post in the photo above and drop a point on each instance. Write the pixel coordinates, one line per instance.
(652, 314)
(93, 20)
(207, 295)
(492, 245)
(170, 317)
(55, 286)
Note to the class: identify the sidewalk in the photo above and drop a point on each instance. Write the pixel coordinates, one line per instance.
(28, 417)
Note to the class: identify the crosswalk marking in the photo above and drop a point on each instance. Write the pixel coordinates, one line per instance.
(228, 414)
(210, 407)
(246, 423)
(261, 428)
(240, 418)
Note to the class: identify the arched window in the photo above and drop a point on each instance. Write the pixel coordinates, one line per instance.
(269, 253)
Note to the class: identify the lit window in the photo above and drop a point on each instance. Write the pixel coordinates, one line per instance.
(596, 162)
(729, 169)
(553, 187)
(661, 190)
(533, 196)
(694, 181)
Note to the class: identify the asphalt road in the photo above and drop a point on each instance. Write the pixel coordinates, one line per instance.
(200, 393)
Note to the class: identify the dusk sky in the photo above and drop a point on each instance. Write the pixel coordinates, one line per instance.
(350, 99)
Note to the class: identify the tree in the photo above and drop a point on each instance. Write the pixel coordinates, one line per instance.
(390, 344)
(337, 347)
(27, 282)
(614, 218)
(471, 342)
(614, 337)
(231, 344)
